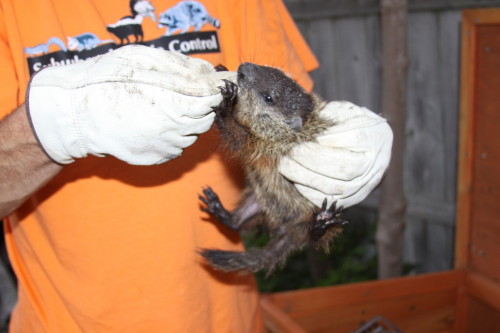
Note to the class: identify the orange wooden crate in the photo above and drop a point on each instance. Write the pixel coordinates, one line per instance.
(466, 299)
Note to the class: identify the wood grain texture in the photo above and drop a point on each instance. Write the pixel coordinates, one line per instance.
(466, 133)
(485, 191)
(393, 203)
(419, 304)
(478, 227)
(482, 318)
(276, 320)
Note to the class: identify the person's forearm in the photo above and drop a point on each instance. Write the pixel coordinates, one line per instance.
(24, 167)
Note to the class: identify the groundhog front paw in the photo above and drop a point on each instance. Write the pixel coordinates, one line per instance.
(229, 93)
(326, 218)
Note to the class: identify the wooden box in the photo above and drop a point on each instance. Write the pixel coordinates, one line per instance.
(466, 299)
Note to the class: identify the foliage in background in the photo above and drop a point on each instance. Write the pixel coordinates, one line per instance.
(352, 258)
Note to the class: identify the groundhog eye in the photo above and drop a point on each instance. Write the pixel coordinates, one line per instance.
(268, 99)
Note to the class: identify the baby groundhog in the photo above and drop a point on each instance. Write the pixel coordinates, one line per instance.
(260, 120)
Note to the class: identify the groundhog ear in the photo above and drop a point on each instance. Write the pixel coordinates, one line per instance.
(295, 123)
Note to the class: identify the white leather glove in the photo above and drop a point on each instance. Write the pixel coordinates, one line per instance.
(140, 104)
(346, 162)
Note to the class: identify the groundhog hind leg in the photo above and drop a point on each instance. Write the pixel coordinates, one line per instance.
(268, 258)
(234, 220)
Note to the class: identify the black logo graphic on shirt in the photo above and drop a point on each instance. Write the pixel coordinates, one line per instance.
(177, 19)
(132, 25)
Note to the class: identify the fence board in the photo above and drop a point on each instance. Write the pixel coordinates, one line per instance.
(316, 9)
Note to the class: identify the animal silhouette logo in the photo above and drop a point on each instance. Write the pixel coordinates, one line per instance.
(86, 41)
(132, 25)
(182, 23)
(43, 48)
(184, 15)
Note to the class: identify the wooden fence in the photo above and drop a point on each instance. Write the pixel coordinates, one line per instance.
(345, 36)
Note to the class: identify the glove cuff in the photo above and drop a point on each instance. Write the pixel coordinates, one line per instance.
(50, 113)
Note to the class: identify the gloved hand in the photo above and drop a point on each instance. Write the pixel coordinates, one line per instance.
(346, 162)
(139, 104)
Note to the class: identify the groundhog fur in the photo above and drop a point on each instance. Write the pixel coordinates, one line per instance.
(260, 120)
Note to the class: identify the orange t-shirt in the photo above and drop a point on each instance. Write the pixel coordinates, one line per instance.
(110, 247)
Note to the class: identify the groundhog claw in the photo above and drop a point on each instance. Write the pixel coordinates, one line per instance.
(230, 91)
(326, 218)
